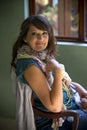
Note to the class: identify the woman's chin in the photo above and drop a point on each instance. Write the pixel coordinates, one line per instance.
(39, 49)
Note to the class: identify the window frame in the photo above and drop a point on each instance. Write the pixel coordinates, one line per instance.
(81, 9)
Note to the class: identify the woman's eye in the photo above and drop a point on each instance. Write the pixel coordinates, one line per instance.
(34, 33)
(45, 33)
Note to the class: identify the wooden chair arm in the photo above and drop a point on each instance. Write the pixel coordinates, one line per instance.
(65, 113)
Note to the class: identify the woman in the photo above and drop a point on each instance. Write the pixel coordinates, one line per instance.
(40, 75)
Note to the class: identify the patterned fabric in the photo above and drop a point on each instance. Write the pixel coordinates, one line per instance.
(26, 51)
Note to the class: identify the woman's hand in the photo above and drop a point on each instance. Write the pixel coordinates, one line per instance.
(54, 66)
(84, 103)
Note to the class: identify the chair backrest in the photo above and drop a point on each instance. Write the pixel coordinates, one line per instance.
(65, 113)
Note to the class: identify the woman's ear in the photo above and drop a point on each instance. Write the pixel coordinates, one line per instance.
(25, 40)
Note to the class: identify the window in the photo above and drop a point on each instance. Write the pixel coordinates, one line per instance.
(68, 17)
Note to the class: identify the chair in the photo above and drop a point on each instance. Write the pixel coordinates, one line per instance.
(65, 113)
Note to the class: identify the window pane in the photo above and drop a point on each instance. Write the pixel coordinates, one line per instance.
(68, 21)
(62, 14)
(74, 19)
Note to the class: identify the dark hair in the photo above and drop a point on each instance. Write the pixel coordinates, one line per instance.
(39, 22)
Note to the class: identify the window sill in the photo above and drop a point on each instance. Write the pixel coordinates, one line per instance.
(72, 44)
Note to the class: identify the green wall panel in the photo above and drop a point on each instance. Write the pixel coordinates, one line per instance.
(11, 16)
(75, 61)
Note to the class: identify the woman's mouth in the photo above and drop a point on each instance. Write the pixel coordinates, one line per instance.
(39, 43)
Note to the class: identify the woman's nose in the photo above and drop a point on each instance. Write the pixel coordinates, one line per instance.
(39, 36)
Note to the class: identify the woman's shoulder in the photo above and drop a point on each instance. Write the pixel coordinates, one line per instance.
(22, 64)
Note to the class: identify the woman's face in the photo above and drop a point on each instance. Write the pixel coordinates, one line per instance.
(37, 39)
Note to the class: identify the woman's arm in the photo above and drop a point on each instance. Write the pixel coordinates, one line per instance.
(51, 99)
(81, 90)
